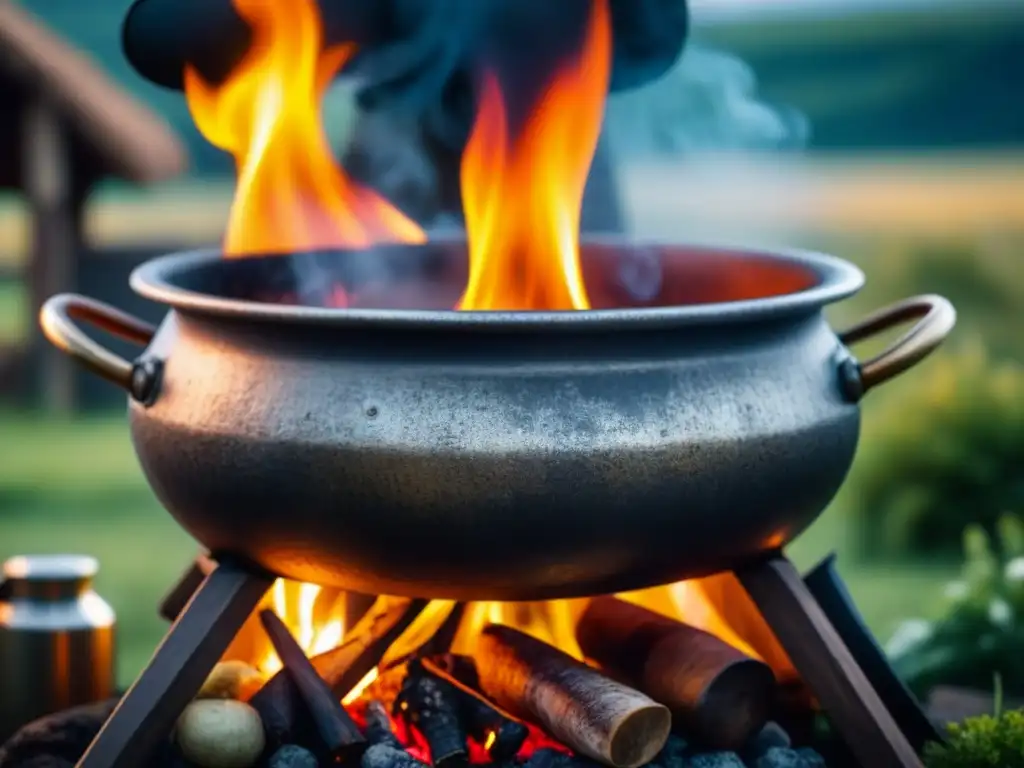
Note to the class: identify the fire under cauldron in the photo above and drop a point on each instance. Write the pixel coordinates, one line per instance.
(398, 447)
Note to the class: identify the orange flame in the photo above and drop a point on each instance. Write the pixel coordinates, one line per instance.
(523, 196)
(291, 194)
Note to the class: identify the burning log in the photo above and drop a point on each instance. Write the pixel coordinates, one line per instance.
(337, 731)
(485, 722)
(433, 706)
(586, 711)
(365, 645)
(720, 695)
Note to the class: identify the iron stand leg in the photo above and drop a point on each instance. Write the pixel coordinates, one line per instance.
(825, 663)
(195, 643)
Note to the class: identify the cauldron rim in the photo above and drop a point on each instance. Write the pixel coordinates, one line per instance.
(159, 280)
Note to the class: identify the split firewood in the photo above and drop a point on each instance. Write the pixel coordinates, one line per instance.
(365, 644)
(719, 695)
(588, 712)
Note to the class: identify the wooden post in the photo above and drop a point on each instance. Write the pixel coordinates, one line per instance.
(52, 205)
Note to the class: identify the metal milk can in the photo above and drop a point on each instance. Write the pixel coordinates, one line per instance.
(56, 638)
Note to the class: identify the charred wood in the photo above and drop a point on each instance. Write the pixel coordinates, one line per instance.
(720, 696)
(365, 644)
(378, 726)
(337, 732)
(342, 668)
(484, 721)
(433, 707)
(588, 712)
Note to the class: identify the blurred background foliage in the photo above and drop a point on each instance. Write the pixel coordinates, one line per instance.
(942, 447)
(946, 452)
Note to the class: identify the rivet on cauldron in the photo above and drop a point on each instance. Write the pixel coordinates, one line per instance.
(372, 412)
(145, 385)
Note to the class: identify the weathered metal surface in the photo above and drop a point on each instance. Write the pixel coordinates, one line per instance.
(521, 455)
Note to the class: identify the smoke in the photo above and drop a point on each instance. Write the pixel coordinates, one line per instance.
(707, 102)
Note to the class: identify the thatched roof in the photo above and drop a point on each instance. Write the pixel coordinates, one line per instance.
(112, 133)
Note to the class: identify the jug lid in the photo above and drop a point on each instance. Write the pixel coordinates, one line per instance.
(48, 576)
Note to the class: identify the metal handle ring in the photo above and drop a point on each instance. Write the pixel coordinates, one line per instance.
(935, 318)
(58, 320)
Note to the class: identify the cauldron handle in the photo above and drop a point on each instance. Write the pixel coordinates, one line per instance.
(58, 320)
(935, 319)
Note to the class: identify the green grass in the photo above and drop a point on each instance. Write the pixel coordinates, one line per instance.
(75, 487)
(12, 312)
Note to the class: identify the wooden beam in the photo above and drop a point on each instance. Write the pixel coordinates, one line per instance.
(53, 207)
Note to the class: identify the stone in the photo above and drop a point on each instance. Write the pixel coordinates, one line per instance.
(292, 756)
(231, 680)
(549, 758)
(220, 733)
(387, 756)
(811, 758)
(673, 754)
(772, 735)
(779, 757)
(553, 758)
(716, 760)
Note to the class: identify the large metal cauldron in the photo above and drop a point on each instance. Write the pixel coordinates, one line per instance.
(500, 455)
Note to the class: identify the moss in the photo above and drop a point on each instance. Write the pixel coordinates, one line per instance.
(981, 742)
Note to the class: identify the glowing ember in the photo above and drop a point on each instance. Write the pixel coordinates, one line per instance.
(291, 195)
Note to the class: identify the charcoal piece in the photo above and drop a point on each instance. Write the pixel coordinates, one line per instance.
(772, 735)
(385, 756)
(673, 754)
(292, 756)
(484, 720)
(46, 761)
(63, 736)
(378, 726)
(716, 760)
(779, 757)
(509, 737)
(433, 706)
(279, 706)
